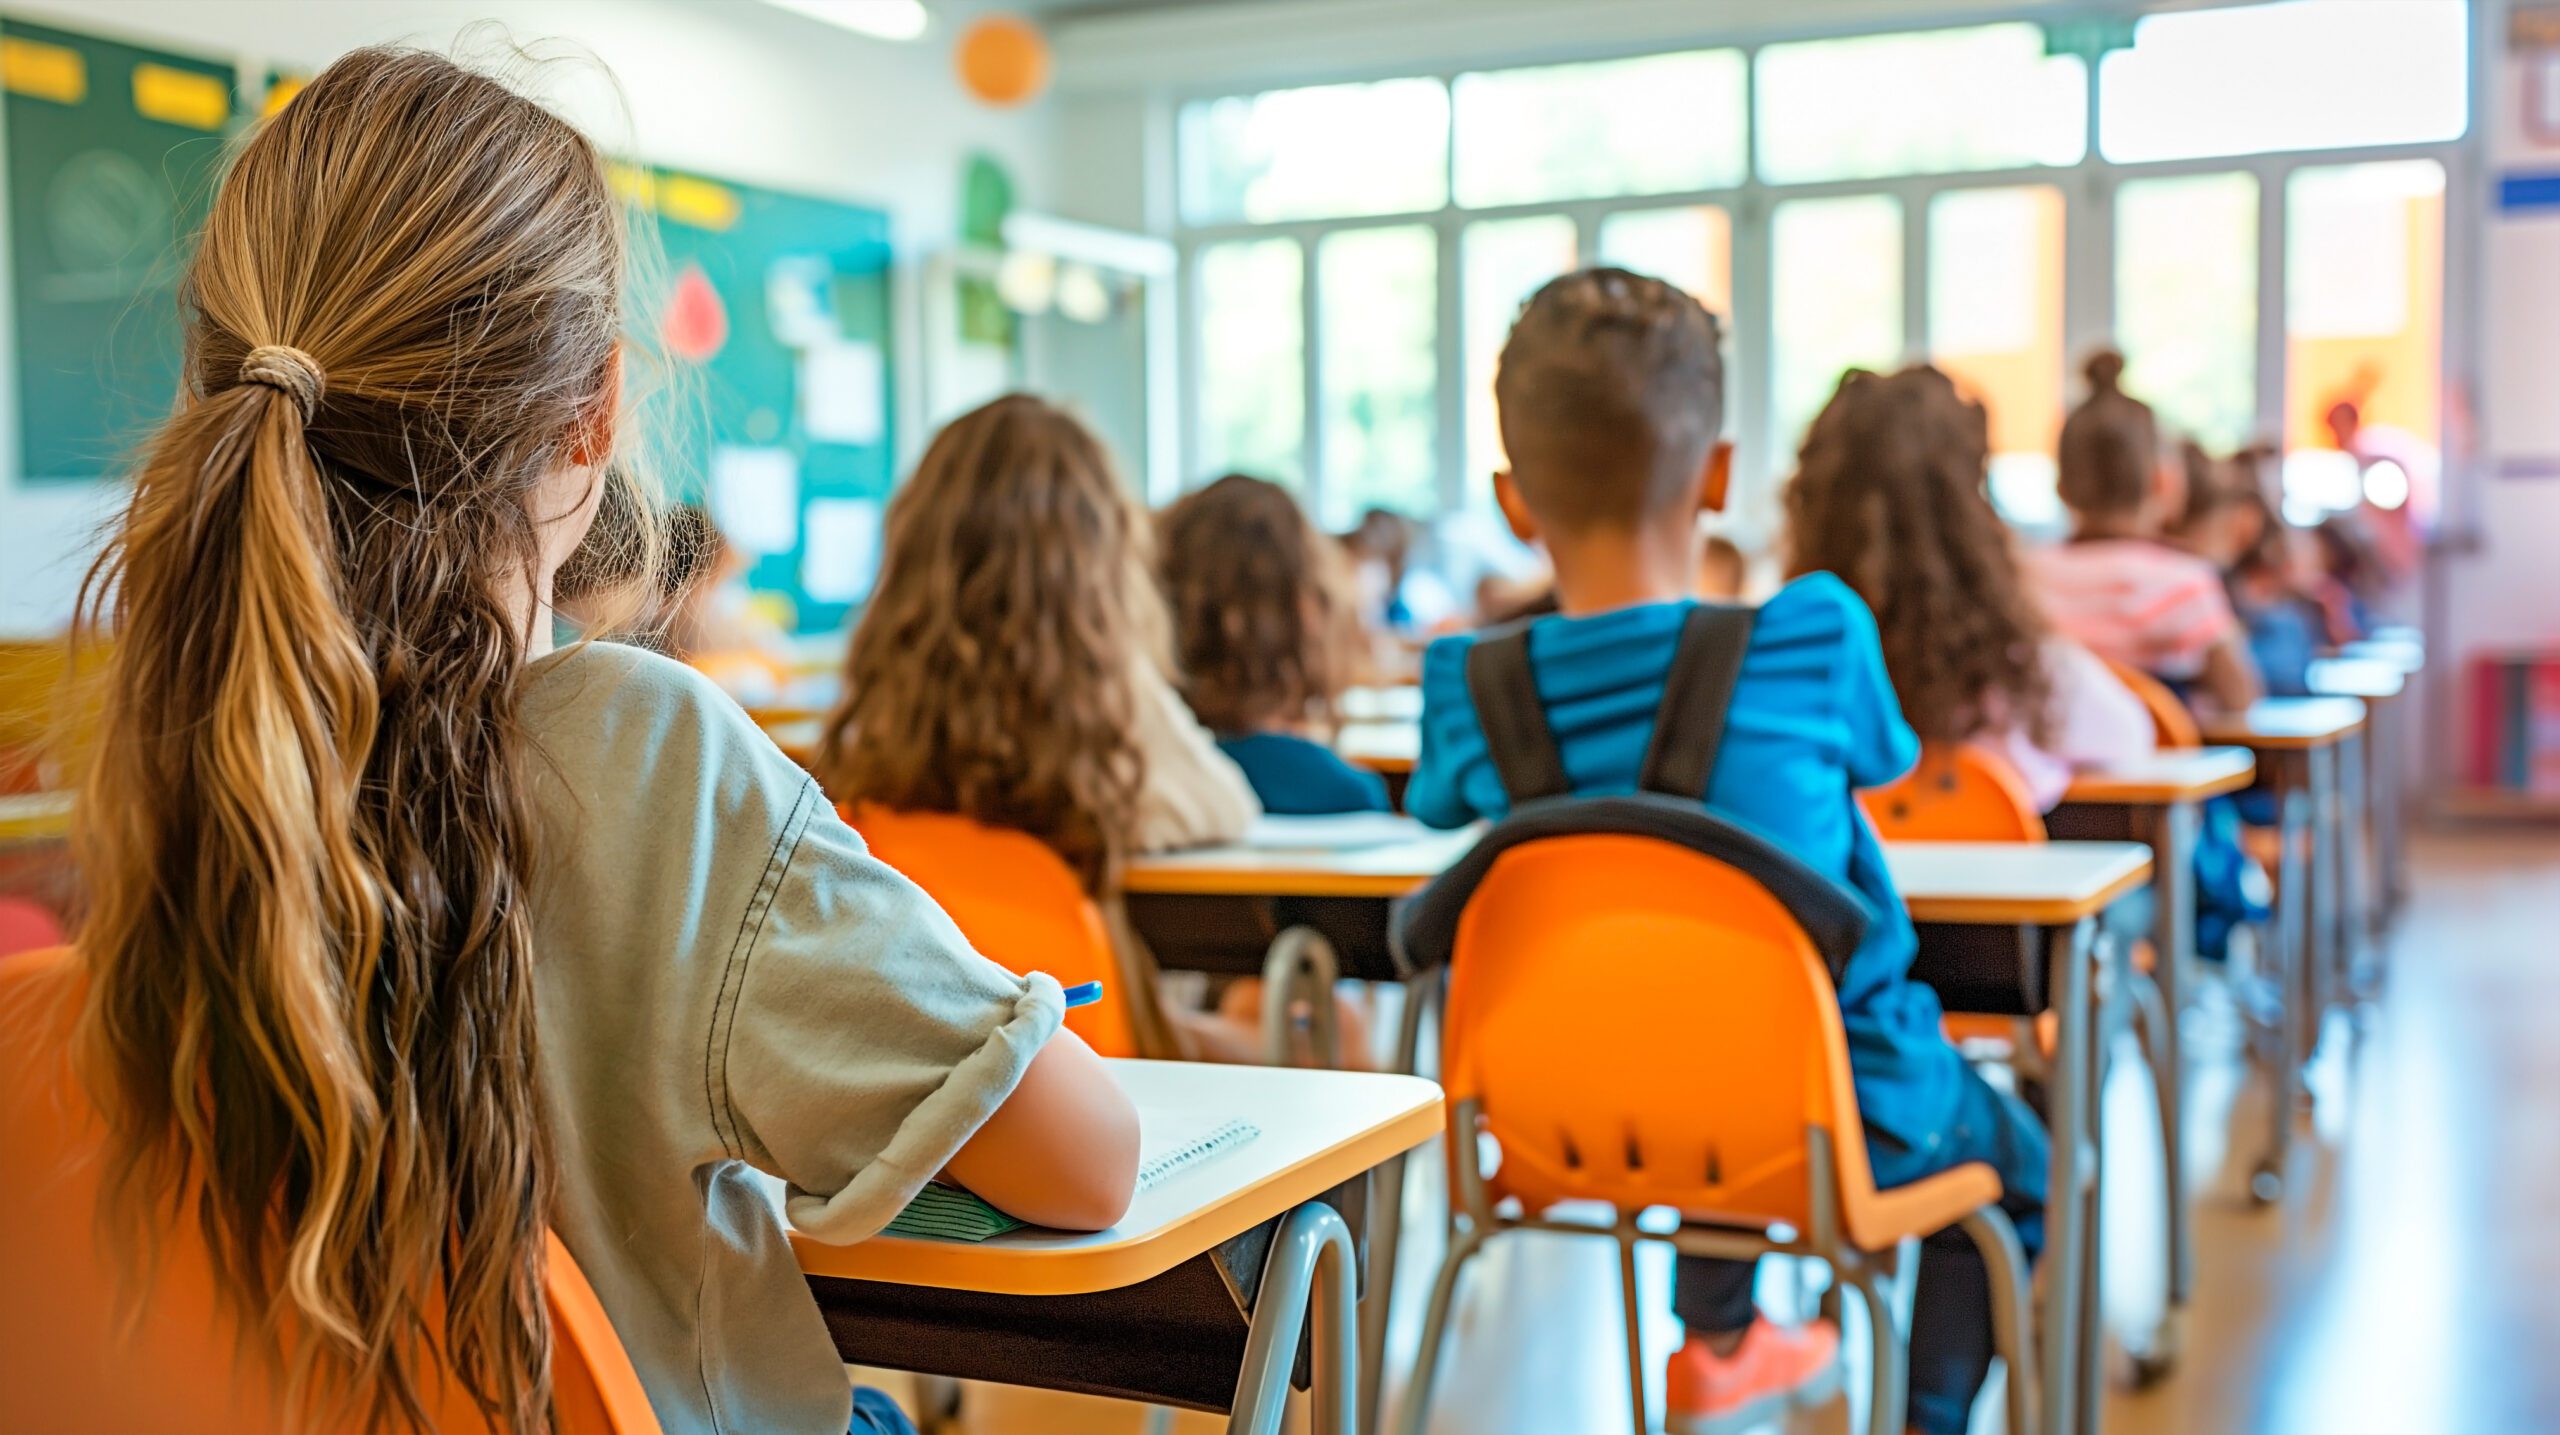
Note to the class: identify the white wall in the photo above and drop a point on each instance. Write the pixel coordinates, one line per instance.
(732, 88)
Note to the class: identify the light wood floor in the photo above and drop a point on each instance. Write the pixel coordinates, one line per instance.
(2408, 1285)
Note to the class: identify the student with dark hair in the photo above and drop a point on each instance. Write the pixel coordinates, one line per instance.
(2117, 586)
(1611, 396)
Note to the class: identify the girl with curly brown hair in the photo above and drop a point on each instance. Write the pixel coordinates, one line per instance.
(1890, 495)
(1265, 636)
(1011, 667)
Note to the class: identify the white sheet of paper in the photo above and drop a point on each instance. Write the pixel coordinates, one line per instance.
(798, 303)
(1332, 832)
(840, 392)
(755, 497)
(843, 552)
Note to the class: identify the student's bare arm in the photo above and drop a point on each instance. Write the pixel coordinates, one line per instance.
(2231, 675)
(1063, 1149)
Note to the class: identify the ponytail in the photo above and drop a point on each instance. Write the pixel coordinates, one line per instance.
(306, 830)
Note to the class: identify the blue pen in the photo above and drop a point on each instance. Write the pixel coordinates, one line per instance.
(1083, 994)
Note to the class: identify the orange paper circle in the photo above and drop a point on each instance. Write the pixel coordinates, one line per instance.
(1003, 60)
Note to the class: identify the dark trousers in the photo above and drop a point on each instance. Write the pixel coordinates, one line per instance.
(1951, 1307)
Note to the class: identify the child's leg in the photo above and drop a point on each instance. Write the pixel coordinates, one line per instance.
(1713, 1297)
(1951, 1309)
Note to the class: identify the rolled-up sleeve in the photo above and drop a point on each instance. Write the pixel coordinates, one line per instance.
(864, 1042)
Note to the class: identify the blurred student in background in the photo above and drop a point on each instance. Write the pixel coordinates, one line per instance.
(1012, 666)
(1265, 637)
(1890, 496)
(2116, 585)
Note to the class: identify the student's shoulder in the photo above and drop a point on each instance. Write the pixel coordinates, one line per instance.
(618, 704)
(1815, 608)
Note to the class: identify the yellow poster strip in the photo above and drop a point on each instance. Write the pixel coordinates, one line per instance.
(181, 97)
(697, 202)
(48, 72)
(279, 95)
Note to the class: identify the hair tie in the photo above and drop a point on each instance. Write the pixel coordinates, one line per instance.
(288, 371)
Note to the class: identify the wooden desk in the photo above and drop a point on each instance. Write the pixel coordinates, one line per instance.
(1384, 747)
(1134, 1311)
(1398, 702)
(2310, 750)
(1381, 870)
(2014, 884)
(2382, 683)
(2159, 800)
(35, 817)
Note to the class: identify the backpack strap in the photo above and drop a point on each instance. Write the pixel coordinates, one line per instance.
(1688, 729)
(1513, 717)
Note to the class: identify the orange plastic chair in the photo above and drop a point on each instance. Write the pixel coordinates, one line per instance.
(1957, 793)
(1016, 901)
(2175, 726)
(68, 1360)
(1638, 1024)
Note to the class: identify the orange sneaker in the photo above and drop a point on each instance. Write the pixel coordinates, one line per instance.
(1773, 1368)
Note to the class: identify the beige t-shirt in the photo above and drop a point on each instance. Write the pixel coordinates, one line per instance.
(725, 984)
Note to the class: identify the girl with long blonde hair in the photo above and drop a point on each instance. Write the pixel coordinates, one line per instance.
(1011, 667)
(410, 937)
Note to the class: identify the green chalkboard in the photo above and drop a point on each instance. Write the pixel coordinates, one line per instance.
(111, 155)
(775, 308)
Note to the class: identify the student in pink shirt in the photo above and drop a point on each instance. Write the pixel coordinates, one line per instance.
(1890, 496)
(2117, 586)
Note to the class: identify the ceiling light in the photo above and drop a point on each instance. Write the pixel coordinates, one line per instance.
(880, 19)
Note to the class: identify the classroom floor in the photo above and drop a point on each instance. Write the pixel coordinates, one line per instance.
(2409, 1284)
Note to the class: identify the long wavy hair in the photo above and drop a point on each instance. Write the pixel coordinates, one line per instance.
(306, 827)
(1265, 625)
(1890, 495)
(994, 673)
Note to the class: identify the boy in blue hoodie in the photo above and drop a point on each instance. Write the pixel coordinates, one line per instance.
(1610, 392)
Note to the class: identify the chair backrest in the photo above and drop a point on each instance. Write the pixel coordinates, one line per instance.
(1957, 793)
(1643, 1024)
(86, 1346)
(2175, 726)
(1016, 901)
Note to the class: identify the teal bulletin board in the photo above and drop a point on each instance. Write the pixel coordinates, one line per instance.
(776, 311)
(111, 153)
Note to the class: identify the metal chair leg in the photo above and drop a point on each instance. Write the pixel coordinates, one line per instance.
(1887, 1379)
(1435, 1329)
(2151, 1019)
(2006, 1262)
(1300, 961)
(1627, 1237)
(1309, 1275)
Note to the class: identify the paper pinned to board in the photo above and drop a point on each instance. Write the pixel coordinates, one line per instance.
(798, 302)
(841, 383)
(842, 556)
(755, 497)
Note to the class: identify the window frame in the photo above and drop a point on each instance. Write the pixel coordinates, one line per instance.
(2088, 189)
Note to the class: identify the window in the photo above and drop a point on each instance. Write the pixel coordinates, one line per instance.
(2187, 302)
(1505, 260)
(1995, 326)
(2364, 307)
(1934, 102)
(1253, 359)
(1644, 126)
(1836, 302)
(2305, 74)
(1323, 152)
(1380, 308)
(1690, 247)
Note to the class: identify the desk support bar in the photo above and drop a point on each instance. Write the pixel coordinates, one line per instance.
(1311, 1271)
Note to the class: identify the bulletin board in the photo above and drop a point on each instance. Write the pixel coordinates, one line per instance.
(111, 154)
(774, 310)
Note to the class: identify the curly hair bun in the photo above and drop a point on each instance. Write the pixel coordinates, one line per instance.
(2105, 372)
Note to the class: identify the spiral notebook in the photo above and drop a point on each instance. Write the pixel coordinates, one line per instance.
(942, 1212)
